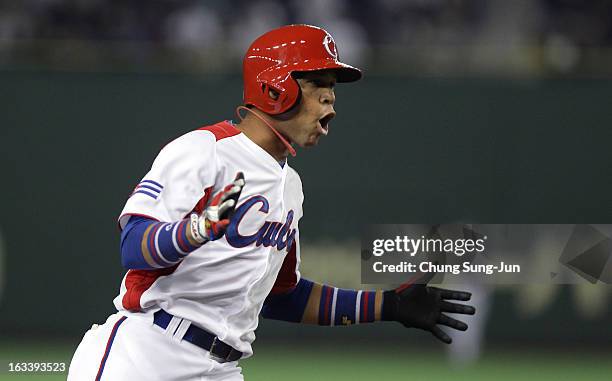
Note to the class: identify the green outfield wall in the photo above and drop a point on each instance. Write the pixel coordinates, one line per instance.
(424, 150)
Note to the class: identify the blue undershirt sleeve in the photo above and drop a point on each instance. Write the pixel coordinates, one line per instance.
(289, 306)
(148, 244)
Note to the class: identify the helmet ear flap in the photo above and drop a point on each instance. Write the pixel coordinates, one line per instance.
(280, 99)
(290, 96)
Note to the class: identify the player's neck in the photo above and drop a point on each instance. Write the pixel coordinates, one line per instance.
(261, 135)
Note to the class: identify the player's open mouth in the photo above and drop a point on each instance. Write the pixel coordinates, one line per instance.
(324, 121)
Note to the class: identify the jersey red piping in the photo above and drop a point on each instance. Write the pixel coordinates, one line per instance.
(287, 276)
(139, 281)
(221, 130)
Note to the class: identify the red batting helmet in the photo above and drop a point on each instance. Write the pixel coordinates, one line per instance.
(271, 58)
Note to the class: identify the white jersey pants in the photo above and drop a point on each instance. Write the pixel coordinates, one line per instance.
(134, 349)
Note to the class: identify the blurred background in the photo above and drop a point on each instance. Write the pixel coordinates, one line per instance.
(484, 111)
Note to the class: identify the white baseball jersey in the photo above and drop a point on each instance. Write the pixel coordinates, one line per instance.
(222, 285)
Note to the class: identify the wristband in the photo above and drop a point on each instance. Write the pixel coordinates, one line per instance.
(195, 229)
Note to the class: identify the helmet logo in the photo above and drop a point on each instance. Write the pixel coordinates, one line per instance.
(330, 46)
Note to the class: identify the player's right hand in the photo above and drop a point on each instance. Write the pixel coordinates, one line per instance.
(213, 221)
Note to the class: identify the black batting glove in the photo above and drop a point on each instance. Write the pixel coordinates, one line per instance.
(421, 306)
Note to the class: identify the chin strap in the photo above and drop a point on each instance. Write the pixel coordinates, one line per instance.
(282, 139)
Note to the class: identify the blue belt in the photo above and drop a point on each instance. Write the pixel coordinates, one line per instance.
(201, 338)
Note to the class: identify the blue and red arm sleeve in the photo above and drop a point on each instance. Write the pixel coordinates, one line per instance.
(289, 306)
(314, 303)
(308, 302)
(148, 244)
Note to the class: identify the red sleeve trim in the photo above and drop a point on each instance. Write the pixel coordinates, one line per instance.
(222, 130)
(287, 277)
(139, 281)
(201, 204)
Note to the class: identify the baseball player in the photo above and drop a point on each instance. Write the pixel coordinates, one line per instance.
(210, 235)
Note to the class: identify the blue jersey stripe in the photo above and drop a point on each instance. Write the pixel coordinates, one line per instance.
(153, 182)
(140, 186)
(147, 193)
